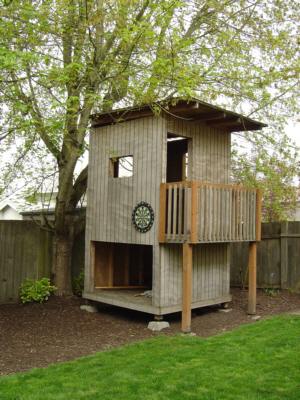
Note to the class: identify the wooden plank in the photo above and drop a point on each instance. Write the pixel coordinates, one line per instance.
(174, 212)
(194, 213)
(202, 212)
(187, 270)
(252, 278)
(209, 213)
(121, 287)
(185, 218)
(169, 223)
(215, 215)
(284, 256)
(180, 211)
(220, 201)
(233, 215)
(162, 213)
(258, 214)
(206, 208)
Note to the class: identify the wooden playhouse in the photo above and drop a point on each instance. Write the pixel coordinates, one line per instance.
(161, 211)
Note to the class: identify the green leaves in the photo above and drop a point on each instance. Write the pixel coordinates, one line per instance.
(273, 166)
(60, 61)
(36, 290)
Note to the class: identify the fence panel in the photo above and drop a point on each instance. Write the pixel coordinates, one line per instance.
(25, 252)
(278, 258)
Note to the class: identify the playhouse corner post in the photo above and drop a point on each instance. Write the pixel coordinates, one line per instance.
(252, 261)
(187, 266)
(252, 278)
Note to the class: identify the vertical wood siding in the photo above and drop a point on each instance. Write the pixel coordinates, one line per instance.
(210, 272)
(209, 150)
(111, 200)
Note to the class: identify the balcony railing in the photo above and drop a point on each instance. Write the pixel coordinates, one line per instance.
(199, 212)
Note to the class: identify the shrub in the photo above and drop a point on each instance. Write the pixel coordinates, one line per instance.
(78, 284)
(36, 290)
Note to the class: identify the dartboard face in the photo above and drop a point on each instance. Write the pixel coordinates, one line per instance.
(143, 217)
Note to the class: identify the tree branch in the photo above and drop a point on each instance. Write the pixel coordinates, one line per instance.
(79, 188)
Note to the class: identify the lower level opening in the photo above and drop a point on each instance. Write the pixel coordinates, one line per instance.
(122, 266)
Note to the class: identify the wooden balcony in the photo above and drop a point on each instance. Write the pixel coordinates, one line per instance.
(200, 212)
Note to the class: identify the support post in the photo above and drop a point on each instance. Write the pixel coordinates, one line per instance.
(252, 278)
(187, 269)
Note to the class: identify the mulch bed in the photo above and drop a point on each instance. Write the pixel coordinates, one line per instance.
(36, 335)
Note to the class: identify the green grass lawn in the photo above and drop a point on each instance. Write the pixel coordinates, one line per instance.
(256, 361)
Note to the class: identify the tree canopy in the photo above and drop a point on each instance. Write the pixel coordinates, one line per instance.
(61, 60)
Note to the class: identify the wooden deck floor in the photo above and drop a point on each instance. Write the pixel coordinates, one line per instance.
(131, 299)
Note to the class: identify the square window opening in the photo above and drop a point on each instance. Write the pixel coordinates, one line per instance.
(121, 167)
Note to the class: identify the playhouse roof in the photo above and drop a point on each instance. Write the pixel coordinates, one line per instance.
(189, 110)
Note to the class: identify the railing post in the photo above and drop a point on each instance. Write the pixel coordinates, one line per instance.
(162, 212)
(194, 213)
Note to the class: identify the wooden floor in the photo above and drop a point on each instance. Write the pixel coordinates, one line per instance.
(133, 300)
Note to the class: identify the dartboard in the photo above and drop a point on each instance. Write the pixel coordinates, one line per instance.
(143, 217)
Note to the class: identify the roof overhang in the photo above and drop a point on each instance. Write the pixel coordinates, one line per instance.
(189, 110)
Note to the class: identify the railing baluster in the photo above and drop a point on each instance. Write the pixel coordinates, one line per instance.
(185, 218)
(206, 219)
(180, 211)
(169, 212)
(194, 212)
(234, 219)
(204, 212)
(174, 211)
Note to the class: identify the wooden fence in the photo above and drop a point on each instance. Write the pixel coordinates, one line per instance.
(278, 258)
(25, 252)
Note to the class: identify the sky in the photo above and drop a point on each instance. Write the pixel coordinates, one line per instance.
(293, 130)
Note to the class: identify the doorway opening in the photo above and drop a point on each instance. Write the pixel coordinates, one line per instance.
(177, 158)
(122, 265)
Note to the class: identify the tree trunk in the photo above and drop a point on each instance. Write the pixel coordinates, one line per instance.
(62, 267)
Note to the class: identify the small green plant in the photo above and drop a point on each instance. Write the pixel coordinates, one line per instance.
(36, 290)
(78, 284)
(271, 292)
